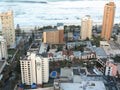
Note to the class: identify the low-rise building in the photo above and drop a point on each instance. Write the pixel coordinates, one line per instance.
(100, 53)
(106, 66)
(53, 36)
(75, 78)
(110, 48)
(55, 56)
(84, 85)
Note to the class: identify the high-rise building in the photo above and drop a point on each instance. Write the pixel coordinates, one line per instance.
(108, 20)
(3, 49)
(8, 31)
(53, 36)
(34, 69)
(86, 27)
(60, 27)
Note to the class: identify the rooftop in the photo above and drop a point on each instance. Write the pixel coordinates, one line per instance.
(99, 51)
(43, 48)
(84, 85)
(111, 4)
(65, 72)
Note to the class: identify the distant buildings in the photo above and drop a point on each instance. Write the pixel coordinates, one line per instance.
(8, 31)
(86, 27)
(34, 69)
(108, 20)
(3, 49)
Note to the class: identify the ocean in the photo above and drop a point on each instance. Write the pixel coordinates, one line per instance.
(51, 12)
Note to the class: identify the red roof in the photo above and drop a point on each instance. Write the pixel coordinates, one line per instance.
(50, 54)
(71, 53)
(64, 52)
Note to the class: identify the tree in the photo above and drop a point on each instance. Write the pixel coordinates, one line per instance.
(23, 33)
(69, 64)
(18, 30)
(116, 59)
(96, 41)
(33, 35)
(87, 39)
(17, 69)
(66, 47)
(59, 48)
(30, 40)
(48, 48)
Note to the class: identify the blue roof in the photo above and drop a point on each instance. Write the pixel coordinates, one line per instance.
(75, 36)
(99, 51)
(77, 53)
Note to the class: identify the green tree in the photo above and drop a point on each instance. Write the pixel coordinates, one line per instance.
(23, 33)
(18, 30)
(96, 41)
(33, 35)
(30, 40)
(48, 48)
(116, 59)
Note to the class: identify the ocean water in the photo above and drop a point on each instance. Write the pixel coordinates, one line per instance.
(50, 12)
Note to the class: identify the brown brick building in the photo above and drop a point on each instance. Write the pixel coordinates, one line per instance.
(53, 36)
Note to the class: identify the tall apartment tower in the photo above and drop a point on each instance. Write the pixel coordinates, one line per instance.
(34, 69)
(8, 31)
(51, 36)
(60, 28)
(108, 20)
(3, 49)
(86, 27)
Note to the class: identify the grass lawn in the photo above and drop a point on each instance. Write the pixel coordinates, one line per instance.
(11, 51)
(48, 85)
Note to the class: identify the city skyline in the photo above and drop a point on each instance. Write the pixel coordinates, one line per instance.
(40, 51)
(68, 12)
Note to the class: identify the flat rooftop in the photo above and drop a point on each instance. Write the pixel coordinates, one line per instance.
(100, 51)
(113, 45)
(84, 85)
(43, 48)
